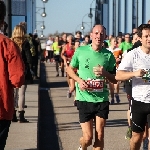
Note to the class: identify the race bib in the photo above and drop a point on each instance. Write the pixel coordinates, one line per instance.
(146, 77)
(95, 85)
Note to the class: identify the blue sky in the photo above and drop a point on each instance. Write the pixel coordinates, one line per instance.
(65, 15)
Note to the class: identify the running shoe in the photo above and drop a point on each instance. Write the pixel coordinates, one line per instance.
(75, 103)
(57, 75)
(69, 94)
(112, 101)
(145, 144)
(80, 148)
(117, 98)
(128, 134)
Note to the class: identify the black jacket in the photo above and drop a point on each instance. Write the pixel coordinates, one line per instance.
(27, 58)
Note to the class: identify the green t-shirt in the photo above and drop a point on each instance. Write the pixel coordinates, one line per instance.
(56, 48)
(85, 58)
(108, 42)
(125, 46)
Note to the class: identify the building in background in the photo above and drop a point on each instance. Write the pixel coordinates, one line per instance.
(23, 11)
(122, 15)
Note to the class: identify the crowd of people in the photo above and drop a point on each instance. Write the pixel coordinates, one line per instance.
(89, 64)
(88, 74)
(93, 62)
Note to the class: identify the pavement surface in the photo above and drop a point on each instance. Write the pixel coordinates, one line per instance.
(54, 123)
(23, 136)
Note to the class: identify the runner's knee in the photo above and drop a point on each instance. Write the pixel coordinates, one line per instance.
(137, 137)
(88, 139)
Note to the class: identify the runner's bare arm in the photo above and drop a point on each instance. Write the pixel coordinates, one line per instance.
(62, 54)
(122, 75)
(59, 46)
(72, 74)
(110, 77)
(107, 74)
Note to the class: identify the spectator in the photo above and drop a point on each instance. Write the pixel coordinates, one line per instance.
(18, 36)
(79, 36)
(119, 41)
(36, 44)
(49, 50)
(86, 40)
(134, 30)
(12, 75)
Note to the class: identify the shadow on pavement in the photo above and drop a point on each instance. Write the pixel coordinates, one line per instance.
(69, 126)
(31, 149)
(116, 123)
(64, 106)
(118, 110)
(47, 126)
(58, 84)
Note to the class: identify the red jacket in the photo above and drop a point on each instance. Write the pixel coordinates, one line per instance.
(11, 75)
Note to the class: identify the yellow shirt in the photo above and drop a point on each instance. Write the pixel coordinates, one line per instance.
(56, 48)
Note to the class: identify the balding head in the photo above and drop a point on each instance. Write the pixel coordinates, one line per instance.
(98, 35)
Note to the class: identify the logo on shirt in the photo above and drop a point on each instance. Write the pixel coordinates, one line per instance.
(146, 77)
(87, 62)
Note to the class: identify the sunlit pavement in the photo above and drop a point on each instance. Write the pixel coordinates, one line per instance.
(58, 126)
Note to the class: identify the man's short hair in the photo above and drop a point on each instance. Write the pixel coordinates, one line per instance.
(87, 36)
(96, 25)
(127, 34)
(79, 32)
(119, 36)
(2, 11)
(141, 28)
(63, 33)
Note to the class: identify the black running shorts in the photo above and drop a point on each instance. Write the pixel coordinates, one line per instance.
(140, 112)
(88, 110)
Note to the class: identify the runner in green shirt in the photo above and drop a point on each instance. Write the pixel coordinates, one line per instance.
(124, 46)
(85, 55)
(95, 64)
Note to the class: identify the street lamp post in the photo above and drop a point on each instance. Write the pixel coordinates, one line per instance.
(40, 8)
(44, 1)
(39, 31)
(40, 22)
(90, 14)
(42, 35)
(43, 15)
(82, 27)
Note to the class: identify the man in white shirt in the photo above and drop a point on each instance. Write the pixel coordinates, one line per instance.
(136, 65)
(49, 50)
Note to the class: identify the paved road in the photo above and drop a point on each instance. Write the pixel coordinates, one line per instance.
(67, 130)
(23, 136)
(58, 127)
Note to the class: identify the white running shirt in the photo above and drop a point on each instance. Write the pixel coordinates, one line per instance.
(135, 60)
(49, 44)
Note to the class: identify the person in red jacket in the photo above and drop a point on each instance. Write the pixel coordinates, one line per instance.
(11, 76)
